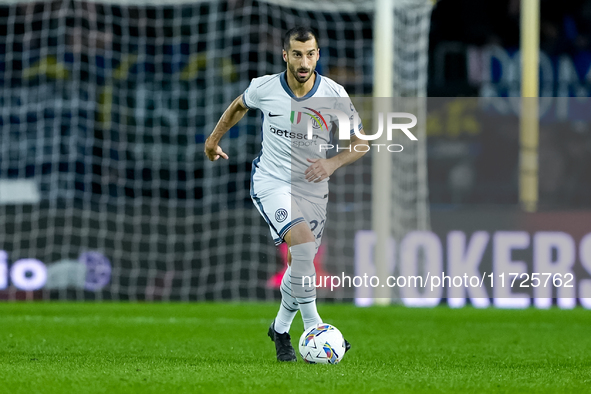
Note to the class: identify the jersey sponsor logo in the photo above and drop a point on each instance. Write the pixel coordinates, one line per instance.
(280, 215)
(289, 134)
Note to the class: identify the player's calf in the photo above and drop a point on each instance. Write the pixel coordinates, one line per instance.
(303, 273)
(303, 282)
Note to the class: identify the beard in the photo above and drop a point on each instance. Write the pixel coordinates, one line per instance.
(302, 75)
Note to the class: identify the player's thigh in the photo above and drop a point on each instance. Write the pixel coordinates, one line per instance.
(315, 215)
(299, 234)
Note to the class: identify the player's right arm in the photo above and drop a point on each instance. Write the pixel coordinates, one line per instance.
(230, 117)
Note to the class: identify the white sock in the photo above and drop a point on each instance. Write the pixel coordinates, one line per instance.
(310, 315)
(289, 306)
(302, 263)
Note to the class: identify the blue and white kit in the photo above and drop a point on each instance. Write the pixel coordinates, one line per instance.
(278, 188)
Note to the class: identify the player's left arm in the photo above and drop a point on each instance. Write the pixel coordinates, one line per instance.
(321, 169)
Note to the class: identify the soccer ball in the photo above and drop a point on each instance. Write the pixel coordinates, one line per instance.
(322, 344)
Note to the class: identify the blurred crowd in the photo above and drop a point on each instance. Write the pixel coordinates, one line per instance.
(565, 26)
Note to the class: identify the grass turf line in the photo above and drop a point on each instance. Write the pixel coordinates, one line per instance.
(223, 347)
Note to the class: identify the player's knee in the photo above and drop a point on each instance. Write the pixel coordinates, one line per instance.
(299, 234)
(303, 259)
(303, 252)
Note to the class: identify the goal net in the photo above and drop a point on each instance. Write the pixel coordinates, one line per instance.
(105, 193)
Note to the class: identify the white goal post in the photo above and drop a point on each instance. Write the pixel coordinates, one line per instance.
(399, 47)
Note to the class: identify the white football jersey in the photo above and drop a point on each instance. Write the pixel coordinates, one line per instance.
(285, 144)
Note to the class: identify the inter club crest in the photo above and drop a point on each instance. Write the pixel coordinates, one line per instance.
(280, 215)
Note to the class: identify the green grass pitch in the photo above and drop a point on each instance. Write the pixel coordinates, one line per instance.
(223, 347)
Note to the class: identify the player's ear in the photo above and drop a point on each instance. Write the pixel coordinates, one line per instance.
(284, 55)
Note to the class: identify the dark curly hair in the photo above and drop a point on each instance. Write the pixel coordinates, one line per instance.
(299, 33)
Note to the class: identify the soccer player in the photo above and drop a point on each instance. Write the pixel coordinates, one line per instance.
(289, 179)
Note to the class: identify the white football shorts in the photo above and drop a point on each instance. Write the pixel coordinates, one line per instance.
(282, 210)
